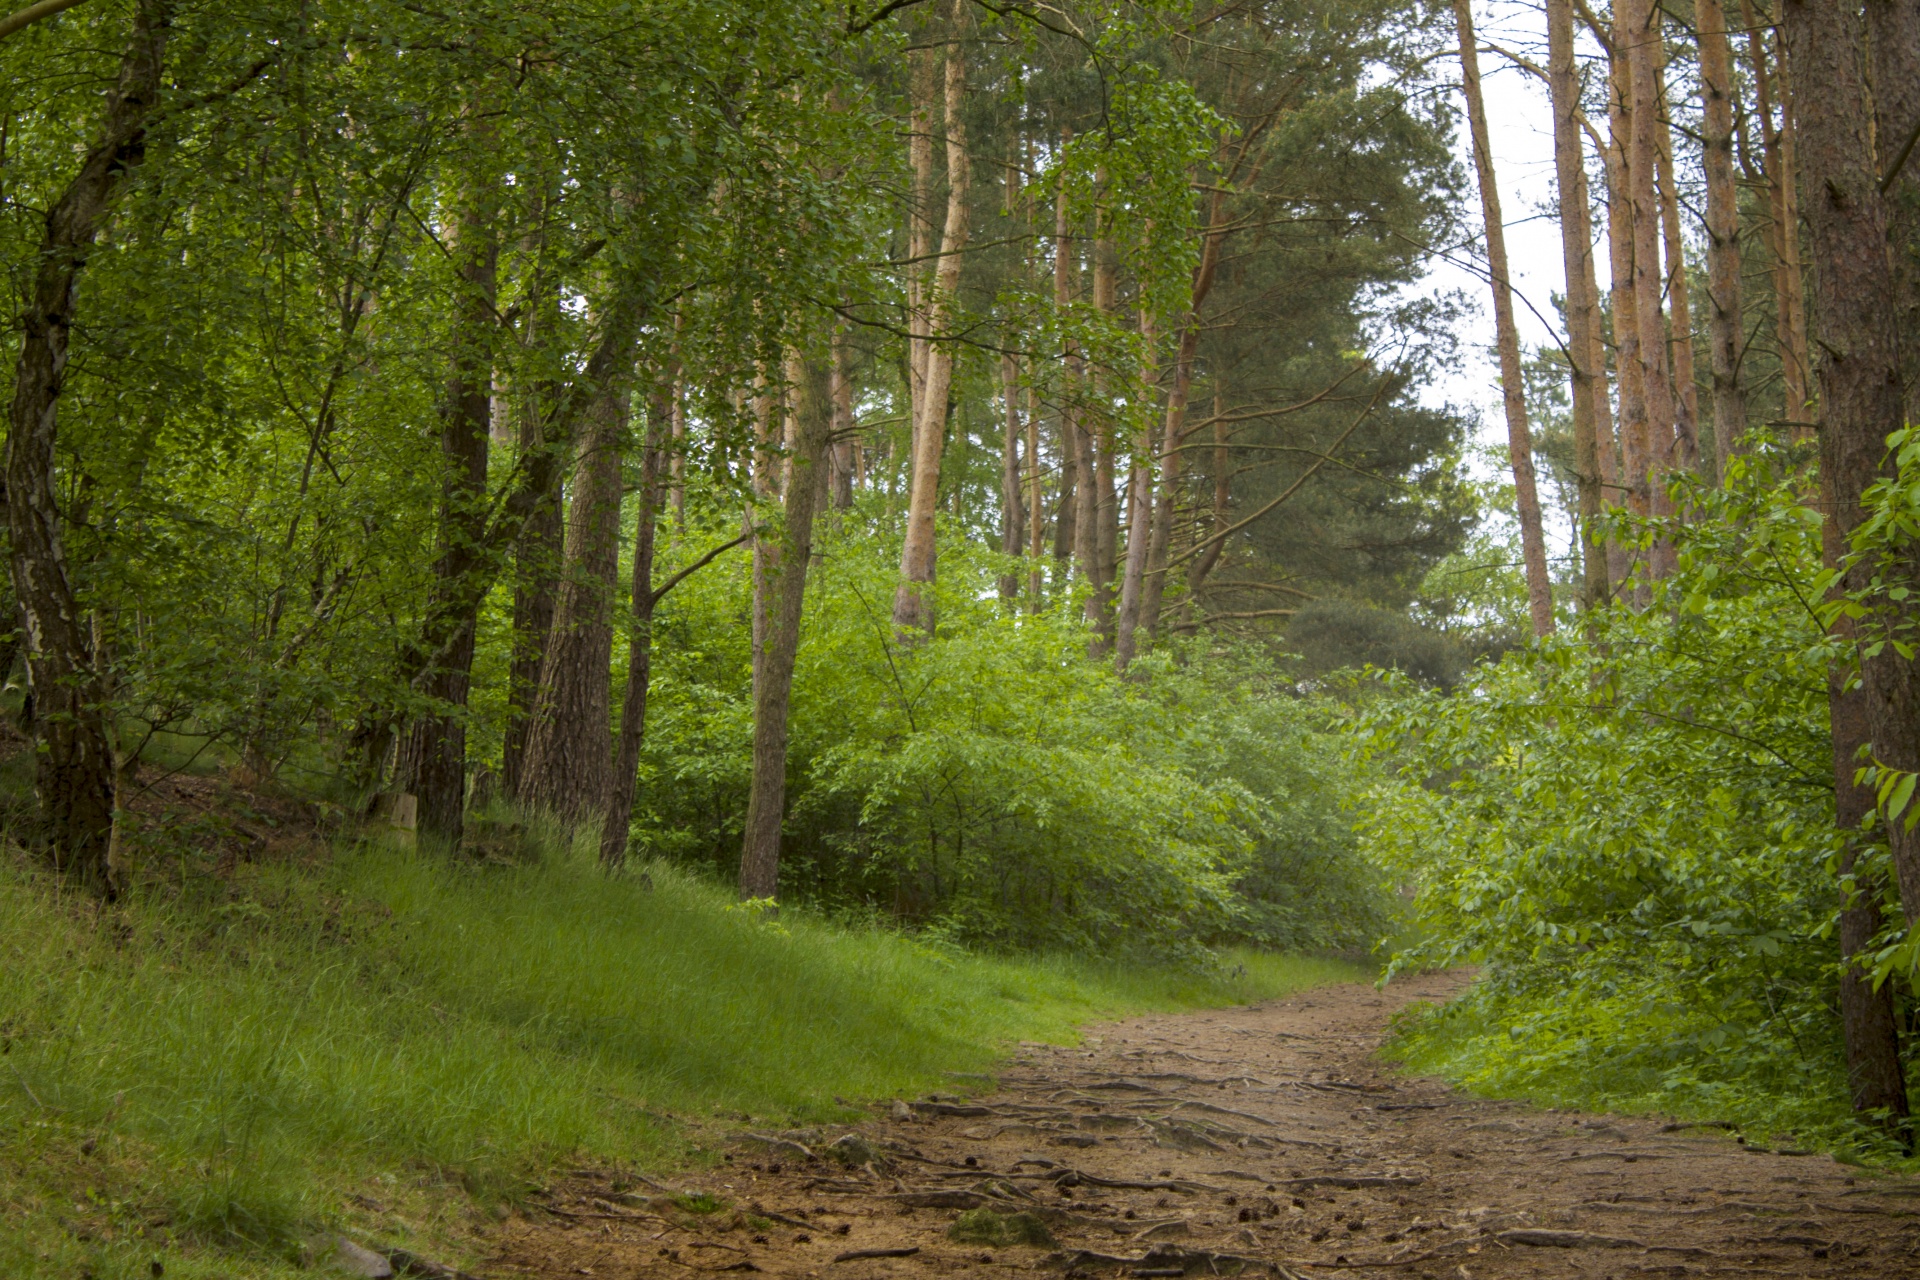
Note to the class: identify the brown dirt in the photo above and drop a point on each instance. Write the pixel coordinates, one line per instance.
(1258, 1140)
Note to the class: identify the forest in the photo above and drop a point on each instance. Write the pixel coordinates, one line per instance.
(609, 523)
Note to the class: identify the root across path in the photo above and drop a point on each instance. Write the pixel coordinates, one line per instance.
(1255, 1141)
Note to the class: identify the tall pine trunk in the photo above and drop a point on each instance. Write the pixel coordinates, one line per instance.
(1012, 507)
(1859, 372)
(1519, 437)
(913, 599)
(1685, 452)
(781, 575)
(1725, 330)
(1587, 358)
(73, 758)
(568, 740)
(1638, 30)
(1635, 441)
(1894, 29)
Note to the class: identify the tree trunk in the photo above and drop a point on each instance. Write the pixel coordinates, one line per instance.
(1867, 1019)
(1860, 391)
(438, 750)
(1638, 30)
(1036, 510)
(1519, 438)
(845, 464)
(784, 573)
(1635, 439)
(568, 733)
(1587, 359)
(924, 93)
(1685, 453)
(1222, 495)
(536, 563)
(1174, 435)
(913, 600)
(1894, 27)
(1012, 514)
(1724, 325)
(1783, 207)
(1105, 506)
(1133, 580)
(73, 762)
(633, 707)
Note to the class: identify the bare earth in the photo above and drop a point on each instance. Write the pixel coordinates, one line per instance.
(1264, 1140)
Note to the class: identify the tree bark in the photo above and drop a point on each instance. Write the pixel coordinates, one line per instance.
(633, 705)
(1222, 495)
(783, 563)
(1782, 172)
(1587, 359)
(1012, 508)
(845, 464)
(1685, 454)
(1519, 438)
(1635, 439)
(1174, 434)
(1868, 1025)
(438, 749)
(1133, 580)
(913, 599)
(1725, 328)
(536, 562)
(74, 761)
(1105, 506)
(1859, 372)
(1894, 28)
(568, 733)
(1638, 31)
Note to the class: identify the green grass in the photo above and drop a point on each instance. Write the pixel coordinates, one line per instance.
(1635, 1048)
(388, 1042)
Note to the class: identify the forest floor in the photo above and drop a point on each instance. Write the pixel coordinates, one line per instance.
(1260, 1140)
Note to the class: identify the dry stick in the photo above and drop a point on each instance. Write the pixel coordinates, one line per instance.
(1519, 438)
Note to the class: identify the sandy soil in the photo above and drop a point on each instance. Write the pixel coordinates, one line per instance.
(1263, 1140)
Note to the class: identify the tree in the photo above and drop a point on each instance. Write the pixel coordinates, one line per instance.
(1519, 440)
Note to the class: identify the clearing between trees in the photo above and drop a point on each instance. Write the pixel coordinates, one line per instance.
(1268, 1139)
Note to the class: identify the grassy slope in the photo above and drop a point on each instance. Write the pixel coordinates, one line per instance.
(388, 1043)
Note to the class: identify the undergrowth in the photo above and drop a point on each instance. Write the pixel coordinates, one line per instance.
(394, 1043)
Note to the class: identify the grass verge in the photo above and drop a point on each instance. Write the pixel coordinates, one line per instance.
(392, 1043)
(1633, 1048)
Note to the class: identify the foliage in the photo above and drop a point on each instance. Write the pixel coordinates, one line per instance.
(231, 1061)
(995, 786)
(1631, 825)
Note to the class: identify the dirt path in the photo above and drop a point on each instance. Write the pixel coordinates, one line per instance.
(1258, 1140)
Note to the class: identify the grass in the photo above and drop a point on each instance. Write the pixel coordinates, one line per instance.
(1637, 1049)
(387, 1042)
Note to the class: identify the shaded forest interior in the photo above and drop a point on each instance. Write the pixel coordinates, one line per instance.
(976, 479)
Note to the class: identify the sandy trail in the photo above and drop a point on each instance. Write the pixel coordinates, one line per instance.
(1263, 1140)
